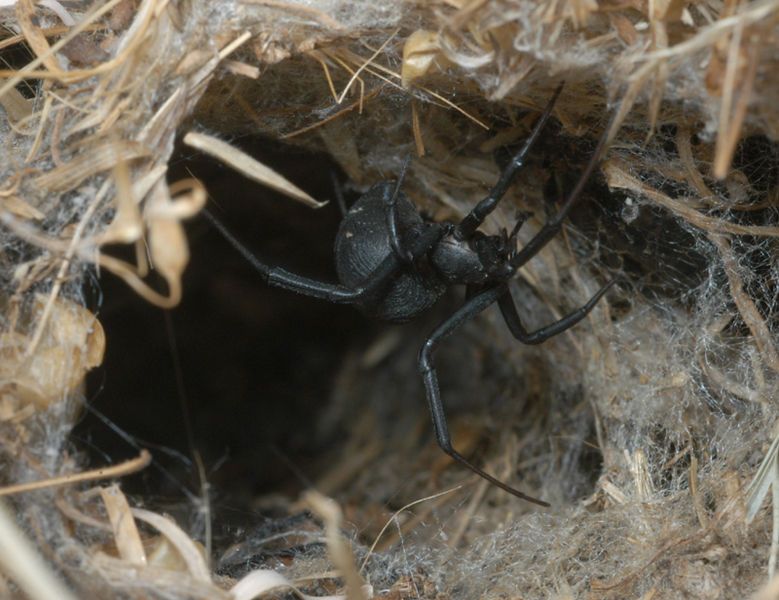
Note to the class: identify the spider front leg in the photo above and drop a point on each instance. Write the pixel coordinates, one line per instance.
(391, 208)
(467, 311)
(552, 227)
(511, 317)
(476, 217)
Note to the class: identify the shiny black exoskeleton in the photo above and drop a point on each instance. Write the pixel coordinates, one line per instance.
(363, 243)
(394, 265)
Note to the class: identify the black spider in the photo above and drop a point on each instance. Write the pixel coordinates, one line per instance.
(393, 265)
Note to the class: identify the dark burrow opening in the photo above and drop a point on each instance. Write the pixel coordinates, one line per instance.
(255, 389)
(261, 386)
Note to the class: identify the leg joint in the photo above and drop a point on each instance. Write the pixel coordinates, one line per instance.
(426, 357)
(446, 445)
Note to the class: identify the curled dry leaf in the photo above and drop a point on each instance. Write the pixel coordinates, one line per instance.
(167, 241)
(73, 342)
(187, 197)
(126, 536)
(188, 549)
(170, 252)
(127, 226)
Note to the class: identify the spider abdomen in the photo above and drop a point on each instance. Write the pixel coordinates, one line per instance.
(363, 242)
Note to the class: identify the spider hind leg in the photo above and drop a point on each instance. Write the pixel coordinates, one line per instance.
(467, 311)
(518, 330)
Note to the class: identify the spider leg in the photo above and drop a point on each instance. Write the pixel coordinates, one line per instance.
(510, 315)
(476, 217)
(332, 292)
(470, 309)
(553, 225)
(391, 204)
(522, 218)
(339, 194)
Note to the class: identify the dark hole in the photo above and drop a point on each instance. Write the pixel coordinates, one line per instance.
(16, 57)
(252, 365)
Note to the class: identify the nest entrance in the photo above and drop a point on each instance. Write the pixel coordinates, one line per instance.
(253, 365)
(675, 399)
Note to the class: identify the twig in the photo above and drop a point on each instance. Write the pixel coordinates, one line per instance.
(60, 278)
(364, 65)
(120, 470)
(395, 516)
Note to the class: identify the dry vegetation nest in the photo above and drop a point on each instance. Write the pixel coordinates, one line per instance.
(649, 428)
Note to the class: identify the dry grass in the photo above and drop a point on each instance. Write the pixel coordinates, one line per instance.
(678, 388)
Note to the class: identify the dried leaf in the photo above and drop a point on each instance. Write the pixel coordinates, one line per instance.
(169, 249)
(190, 552)
(419, 53)
(73, 342)
(16, 106)
(127, 225)
(246, 165)
(126, 536)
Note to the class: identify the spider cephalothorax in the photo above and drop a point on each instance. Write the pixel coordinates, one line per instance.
(393, 265)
